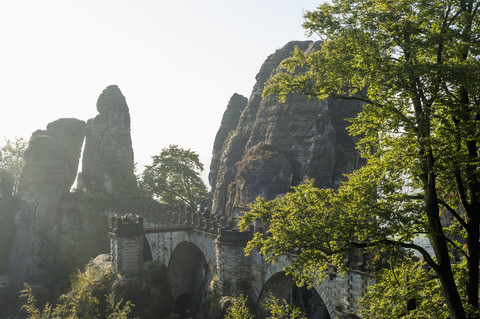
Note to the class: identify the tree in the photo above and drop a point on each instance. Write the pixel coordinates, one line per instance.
(11, 158)
(415, 64)
(174, 178)
(11, 165)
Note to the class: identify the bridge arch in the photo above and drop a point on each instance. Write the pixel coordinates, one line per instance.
(313, 302)
(188, 275)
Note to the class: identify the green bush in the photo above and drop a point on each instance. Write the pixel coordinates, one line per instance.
(239, 309)
(90, 297)
(276, 308)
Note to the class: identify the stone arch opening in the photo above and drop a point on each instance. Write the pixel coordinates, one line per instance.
(187, 275)
(147, 251)
(282, 286)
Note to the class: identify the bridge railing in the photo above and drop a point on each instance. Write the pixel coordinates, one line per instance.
(158, 215)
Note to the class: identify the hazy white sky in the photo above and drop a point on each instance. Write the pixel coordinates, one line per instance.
(177, 62)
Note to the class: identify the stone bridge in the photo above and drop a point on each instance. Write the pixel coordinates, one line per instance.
(204, 251)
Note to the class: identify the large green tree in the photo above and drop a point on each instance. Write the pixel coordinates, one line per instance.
(415, 64)
(174, 178)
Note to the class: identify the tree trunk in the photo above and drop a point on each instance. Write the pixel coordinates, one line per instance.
(439, 243)
(473, 255)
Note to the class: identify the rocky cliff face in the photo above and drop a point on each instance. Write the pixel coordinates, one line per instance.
(108, 155)
(278, 145)
(230, 118)
(51, 165)
(55, 229)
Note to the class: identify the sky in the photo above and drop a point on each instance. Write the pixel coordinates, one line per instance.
(177, 63)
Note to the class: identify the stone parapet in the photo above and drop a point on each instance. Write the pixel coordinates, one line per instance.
(228, 236)
(127, 226)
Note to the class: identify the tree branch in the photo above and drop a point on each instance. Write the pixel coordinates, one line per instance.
(418, 248)
(456, 246)
(461, 190)
(454, 213)
(354, 98)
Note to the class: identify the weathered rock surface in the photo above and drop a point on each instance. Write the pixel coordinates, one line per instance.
(263, 171)
(6, 184)
(54, 231)
(310, 136)
(7, 224)
(230, 118)
(51, 164)
(7, 296)
(107, 164)
(7, 228)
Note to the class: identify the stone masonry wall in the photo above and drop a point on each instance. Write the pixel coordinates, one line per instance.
(223, 248)
(126, 243)
(127, 254)
(233, 267)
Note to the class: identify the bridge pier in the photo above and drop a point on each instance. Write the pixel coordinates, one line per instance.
(126, 243)
(233, 267)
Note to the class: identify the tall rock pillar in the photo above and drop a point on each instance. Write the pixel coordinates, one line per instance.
(51, 165)
(108, 155)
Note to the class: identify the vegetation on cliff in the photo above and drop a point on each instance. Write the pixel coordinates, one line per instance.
(11, 165)
(11, 158)
(419, 131)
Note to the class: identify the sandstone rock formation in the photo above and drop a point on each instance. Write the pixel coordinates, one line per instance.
(51, 164)
(263, 171)
(308, 140)
(107, 164)
(230, 118)
(7, 228)
(6, 184)
(53, 231)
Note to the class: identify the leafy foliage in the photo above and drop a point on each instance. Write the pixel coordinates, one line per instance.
(408, 290)
(281, 309)
(239, 309)
(174, 178)
(277, 309)
(415, 65)
(90, 297)
(11, 158)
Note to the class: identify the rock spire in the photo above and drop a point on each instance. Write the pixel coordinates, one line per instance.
(108, 162)
(278, 145)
